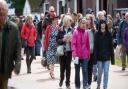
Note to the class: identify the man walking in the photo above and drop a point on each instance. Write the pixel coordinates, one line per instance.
(9, 47)
(123, 25)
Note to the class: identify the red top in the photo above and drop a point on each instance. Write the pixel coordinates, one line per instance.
(29, 34)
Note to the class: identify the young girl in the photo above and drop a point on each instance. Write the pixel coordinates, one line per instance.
(81, 53)
(103, 53)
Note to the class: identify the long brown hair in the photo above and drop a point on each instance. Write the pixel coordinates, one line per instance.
(92, 25)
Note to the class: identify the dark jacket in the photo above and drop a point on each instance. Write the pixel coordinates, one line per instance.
(103, 47)
(60, 37)
(46, 21)
(120, 33)
(125, 39)
(11, 49)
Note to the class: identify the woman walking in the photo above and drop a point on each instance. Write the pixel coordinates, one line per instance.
(103, 53)
(50, 43)
(28, 33)
(91, 30)
(81, 53)
(64, 39)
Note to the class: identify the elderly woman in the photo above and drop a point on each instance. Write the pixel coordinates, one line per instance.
(50, 43)
(64, 38)
(81, 53)
(28, 33)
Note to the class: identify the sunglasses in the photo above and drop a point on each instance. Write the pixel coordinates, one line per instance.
(52, 11)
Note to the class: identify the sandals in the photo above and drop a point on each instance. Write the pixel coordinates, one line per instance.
(52, 76)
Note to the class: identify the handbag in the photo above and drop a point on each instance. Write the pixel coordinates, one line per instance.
(17, 67)
(60, 50)
(24, 43)
(44, 62)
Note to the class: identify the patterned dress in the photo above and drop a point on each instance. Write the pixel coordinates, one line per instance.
(51, 53)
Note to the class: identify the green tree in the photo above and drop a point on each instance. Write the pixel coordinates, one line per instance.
(18, 5)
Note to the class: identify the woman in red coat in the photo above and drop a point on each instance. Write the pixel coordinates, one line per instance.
(28, 33)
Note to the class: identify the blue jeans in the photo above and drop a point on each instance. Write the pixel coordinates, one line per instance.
(103, 67)
(84, 65)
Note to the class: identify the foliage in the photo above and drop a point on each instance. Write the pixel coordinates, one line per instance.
(18, 5)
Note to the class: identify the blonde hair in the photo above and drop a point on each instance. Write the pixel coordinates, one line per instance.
(67, 18)
(28, 18)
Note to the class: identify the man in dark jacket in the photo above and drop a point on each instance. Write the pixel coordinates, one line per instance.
(120, 34)
(9, 47)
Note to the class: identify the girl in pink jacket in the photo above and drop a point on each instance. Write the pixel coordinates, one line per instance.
(81, 53)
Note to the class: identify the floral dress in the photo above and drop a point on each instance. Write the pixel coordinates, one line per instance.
(51, 53)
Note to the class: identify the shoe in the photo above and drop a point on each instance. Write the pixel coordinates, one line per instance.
(89, 87)
(60, 84)
(85, 87)
(123, 69)
(77, 88)
(98, 87)
(52, 76)
(95, 78)
(68, 87)
(34, 57)
(48, 67)
(29, 71)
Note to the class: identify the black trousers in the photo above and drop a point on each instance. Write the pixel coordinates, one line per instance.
(90, 68)
(65, 66)
(29, 57)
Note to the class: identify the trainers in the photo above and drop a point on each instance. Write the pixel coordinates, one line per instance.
(68, 87)
(95, 78)
(123, 69)
(89, 87)
(98, 87)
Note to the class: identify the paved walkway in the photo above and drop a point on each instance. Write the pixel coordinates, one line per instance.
(40, 79)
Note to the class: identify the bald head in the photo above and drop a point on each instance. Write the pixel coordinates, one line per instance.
(4, 4)
(51, 8)
(3, 12)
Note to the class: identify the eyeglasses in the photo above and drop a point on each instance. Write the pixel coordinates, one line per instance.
(83, 23)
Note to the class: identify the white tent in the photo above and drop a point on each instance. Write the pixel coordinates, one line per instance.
(27, 8)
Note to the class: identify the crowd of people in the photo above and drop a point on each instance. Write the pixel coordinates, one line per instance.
(87, 40)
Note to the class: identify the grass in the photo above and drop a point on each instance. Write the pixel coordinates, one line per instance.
(119, 63)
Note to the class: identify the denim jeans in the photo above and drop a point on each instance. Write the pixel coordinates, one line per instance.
(84, 65)
(103, 67)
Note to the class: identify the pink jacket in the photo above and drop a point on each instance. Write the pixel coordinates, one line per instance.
(80, 44)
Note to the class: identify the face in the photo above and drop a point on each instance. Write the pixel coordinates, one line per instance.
(83, 23)
(55, 21)
(126, 17)
(3, 14)
(88, 21)
(67, 23)
(51, 10)
(103, 25)
(29, 21)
